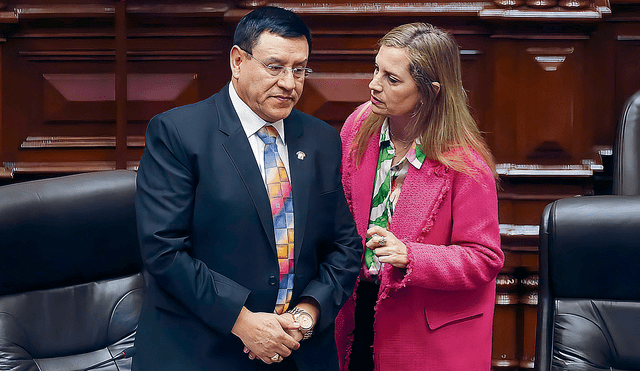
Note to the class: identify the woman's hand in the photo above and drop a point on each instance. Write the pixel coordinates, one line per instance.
(387, 247)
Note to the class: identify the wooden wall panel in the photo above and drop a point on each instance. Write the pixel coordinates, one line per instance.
(539, 115)
(50, 93)
(333, 96)
(521, 199)
(627, 67)
(61, 95)
(600, 80)
(74, 97)
(191, 66)
(545, 85)
(477, 77)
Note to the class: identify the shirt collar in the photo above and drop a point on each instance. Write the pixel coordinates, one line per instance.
(251, 122)
(415, 155)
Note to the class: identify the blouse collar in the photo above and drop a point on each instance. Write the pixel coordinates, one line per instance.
(415, 155)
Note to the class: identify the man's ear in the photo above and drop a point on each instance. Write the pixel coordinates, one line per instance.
(236, 57)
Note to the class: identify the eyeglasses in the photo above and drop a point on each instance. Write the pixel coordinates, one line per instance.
(277, 70)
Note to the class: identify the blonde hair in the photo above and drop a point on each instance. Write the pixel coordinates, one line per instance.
(442, 121)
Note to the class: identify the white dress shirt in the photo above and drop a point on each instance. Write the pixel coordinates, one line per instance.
(252, 123)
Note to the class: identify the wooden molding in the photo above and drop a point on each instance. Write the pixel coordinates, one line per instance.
(367, 54)
(98, 10)
(40, 142)
(517, 170)
(483, 9)
(628, 38)
(519, 230)
(59, 167)
(64, 11)
(110, 55)
(545, 197)
(6, 173)
(556, 13)
(8, 17)
(550, 58)
(342, 54)
(520, 238)
(180, 9)
(174, 55)
(470, 8)
(133, 165)
(135, 141)
(67, 55)
(68, 142)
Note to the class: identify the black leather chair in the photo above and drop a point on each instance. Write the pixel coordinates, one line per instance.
(71, 286)
(626, 150)
(589, 307)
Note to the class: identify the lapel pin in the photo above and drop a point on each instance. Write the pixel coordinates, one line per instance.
(301, 155)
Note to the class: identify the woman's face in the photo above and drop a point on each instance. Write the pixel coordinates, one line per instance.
(393, 91)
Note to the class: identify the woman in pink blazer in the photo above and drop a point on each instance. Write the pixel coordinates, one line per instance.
(420, 182)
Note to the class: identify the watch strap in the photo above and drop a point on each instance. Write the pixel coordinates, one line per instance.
(296, 311)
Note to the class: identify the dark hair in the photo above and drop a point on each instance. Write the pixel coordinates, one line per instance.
(281, 22)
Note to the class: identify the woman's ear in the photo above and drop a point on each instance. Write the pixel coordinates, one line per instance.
(436, 85)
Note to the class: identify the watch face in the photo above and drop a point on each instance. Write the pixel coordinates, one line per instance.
(305, 320)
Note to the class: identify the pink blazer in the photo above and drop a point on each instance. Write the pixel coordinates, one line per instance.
(437, 314)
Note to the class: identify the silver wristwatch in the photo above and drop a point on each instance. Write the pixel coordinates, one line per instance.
(304, 319)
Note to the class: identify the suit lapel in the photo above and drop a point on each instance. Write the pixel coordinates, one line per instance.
(237, 147)
(422, 194)
(300, 177)
(432, 173)
(362, 191)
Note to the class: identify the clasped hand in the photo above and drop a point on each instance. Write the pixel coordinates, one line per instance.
(387, 247)
(265, 335)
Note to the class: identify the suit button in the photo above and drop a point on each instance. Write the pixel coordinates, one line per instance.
(273, 280)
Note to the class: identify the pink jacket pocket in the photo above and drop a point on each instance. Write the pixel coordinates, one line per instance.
(437, 319)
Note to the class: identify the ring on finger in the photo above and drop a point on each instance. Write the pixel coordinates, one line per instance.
(382, 241)
(276, 357)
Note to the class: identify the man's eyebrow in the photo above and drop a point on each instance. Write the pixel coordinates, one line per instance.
(303, 63)
(278, 61)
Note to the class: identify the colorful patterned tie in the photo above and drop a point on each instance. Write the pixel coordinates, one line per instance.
(279, 190)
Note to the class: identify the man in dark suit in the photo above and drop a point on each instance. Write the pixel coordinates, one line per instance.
(239, 279)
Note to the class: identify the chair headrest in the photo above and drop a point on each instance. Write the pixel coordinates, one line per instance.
(593, 247)
(626, 150)
(67, 230)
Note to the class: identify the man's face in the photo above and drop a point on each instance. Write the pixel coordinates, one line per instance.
(270, 97)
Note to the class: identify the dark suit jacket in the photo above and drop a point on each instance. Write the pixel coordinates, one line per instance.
(207, 238)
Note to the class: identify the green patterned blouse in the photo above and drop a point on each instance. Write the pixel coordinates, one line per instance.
(386, 189)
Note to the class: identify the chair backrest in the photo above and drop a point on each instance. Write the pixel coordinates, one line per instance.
(589, 307)
(71, 286)
(626, 150)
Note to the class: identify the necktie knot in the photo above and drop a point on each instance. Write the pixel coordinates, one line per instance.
(268, 134)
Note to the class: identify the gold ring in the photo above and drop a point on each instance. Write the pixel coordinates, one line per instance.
(276, 357)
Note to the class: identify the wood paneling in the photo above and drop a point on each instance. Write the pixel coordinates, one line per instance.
(627, 66)
(82, 85)
(539, 117)
(333, 96)
(546, 81)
